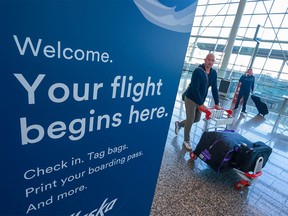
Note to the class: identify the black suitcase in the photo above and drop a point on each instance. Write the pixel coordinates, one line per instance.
(261, 106)
(247, 155)
(217, 149)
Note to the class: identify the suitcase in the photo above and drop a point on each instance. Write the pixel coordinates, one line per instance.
(247, 155)
(261, 106)
(228, 150)
(217, 149)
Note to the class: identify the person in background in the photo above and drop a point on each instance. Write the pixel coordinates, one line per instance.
(247, 86)
(203, 77)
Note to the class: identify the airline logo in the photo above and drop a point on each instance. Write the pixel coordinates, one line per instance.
(174, 15)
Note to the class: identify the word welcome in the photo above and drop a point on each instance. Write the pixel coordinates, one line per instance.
(56, 51)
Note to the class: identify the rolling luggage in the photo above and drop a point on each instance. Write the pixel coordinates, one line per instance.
(247, 155)
(224, 150)
(261, 106)
(217, 149)
(228, 150)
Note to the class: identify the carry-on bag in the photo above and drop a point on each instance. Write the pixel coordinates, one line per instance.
(261, 106)
(248, 153)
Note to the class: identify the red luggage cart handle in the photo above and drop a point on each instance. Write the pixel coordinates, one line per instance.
(208, 112)
(253, 175)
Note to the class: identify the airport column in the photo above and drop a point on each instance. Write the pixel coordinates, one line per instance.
(231, 40)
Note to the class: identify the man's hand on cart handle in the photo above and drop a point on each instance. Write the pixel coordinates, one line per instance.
(216, 107)
(203, 108)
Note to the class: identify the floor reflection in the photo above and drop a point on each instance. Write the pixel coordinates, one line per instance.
(187, 187)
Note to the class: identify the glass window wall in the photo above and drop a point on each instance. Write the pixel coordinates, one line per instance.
(211, 30)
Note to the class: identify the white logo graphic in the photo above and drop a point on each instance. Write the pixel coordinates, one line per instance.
(167, 17)
(101, 211)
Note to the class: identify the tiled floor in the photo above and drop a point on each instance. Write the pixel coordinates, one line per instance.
(187, 187)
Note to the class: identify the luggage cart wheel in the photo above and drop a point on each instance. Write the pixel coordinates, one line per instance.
(193, 155)
(240, 185)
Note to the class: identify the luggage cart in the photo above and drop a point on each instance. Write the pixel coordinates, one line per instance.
(217, 118)
(249, 177)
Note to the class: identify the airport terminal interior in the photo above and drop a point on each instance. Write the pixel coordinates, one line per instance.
(191, 187)
(241, 34)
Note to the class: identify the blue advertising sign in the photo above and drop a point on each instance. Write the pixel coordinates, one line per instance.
(87, 91)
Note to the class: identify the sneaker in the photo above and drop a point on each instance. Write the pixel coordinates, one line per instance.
(187, 145)
(235, 108)
(177, 127)
(244, 112)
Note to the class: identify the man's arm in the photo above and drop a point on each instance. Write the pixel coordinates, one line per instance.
(195, 83)
(215, 89)
(252, 86)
